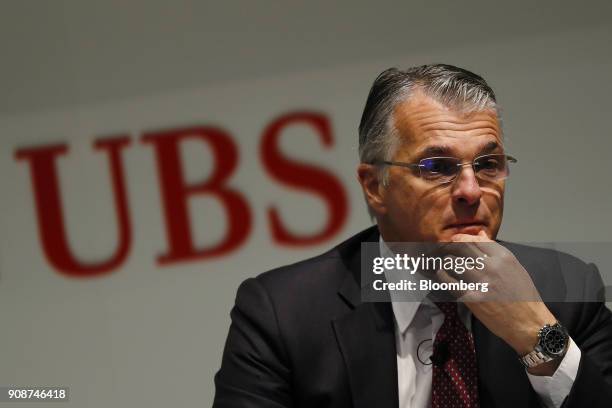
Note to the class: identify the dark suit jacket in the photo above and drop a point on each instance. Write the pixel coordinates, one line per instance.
(301, 337)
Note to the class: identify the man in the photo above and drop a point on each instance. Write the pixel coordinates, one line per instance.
(432, 170)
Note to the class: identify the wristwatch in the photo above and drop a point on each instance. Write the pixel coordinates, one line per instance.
(552, 344)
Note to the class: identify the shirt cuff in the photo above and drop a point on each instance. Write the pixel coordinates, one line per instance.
(553, 390)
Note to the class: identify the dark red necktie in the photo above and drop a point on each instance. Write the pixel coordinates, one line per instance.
(455, 376)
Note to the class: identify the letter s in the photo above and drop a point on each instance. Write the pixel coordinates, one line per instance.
(305, 177)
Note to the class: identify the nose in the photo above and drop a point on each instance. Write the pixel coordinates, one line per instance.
(465, 189)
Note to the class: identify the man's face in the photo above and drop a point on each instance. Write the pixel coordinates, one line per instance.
(415, 209)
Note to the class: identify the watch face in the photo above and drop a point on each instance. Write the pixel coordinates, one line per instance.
(554, 341)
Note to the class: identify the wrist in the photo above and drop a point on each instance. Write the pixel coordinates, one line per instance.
(525, 336)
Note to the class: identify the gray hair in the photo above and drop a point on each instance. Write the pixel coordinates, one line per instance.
(452, 86)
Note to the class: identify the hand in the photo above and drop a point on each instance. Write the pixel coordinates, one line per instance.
(511, 308)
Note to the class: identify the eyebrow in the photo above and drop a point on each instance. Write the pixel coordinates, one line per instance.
(489, 147)
(435, 151)
(442, 150)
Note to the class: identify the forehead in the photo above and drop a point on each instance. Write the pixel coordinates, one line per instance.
(424, 124)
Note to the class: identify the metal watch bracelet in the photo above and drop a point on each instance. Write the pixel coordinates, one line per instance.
(539, 355)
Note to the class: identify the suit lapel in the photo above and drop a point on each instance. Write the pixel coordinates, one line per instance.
(367, 343)
(366, 338)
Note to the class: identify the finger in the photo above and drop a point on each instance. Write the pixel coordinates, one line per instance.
(470, 238)
(481, 236)
(482, 241)
(460, 248)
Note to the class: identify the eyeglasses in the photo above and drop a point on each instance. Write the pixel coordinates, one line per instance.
(442, 170)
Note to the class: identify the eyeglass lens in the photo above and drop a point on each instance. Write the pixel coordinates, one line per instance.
(445, 169)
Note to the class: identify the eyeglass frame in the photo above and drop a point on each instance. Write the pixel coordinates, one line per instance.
(509, 159)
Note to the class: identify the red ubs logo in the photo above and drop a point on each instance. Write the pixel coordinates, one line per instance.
(175, 192)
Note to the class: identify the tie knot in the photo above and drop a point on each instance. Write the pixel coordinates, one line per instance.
(449, 309)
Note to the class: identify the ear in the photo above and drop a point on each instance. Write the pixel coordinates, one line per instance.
(373, 189)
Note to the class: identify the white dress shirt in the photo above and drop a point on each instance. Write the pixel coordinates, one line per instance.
(416, 325)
